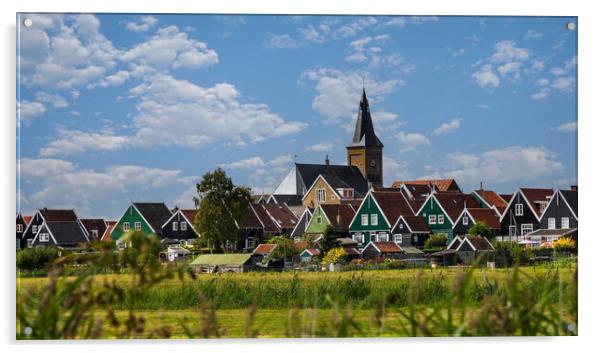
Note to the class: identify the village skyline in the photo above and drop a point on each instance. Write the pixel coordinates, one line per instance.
(142, 106)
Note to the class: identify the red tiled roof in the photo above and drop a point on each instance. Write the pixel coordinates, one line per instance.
(189, 214)
(284, 217)
(441, 184)
(27, 219)
(264, 249)
(387, 247)
(339, 215)
(107, 234)
(485, 215)
(506, 197)
(301, 245)
(535, 195)
(453, 203)
(393, 204)
(268, 225)
(493, 199)
(56, 215)
(313, 252)
(416, 224)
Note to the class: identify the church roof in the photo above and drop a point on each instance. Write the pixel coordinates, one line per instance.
(364, 135)
(339, 175)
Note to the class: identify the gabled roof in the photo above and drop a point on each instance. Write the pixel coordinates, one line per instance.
(250, 218)
(364, 130)
(94, 223)
(416, 224)
(282, 215)
(392, 204)
(384, 247)
(189, 214)
(27, 219)
(492, 199)
(300, 245)
(553, 232)
(534, 196)
(348, 175)
(268, 225)
(571, 198)
(67, 233)
(312, 252)
(453, 203)
(343, 213)
(106, 236)
(440, 184)
(506, 197)
(485, 215)
(477, 243)
(264, 249)
(290, 200)
(155, 213)
(57, 215)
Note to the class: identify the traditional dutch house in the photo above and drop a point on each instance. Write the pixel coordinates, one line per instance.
(22, 222)
(441, 210)
(299, 229)
(490, 199)
(106, 236)
(145, 217)
(470, 216)
(180, 227)
(436, 184)
(330, 190)
(522, 216)
(337, 216)
(54, 227)
(560, 218)
(410, 230)
(95, 227)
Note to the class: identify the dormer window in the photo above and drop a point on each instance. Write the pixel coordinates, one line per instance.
(345, 193)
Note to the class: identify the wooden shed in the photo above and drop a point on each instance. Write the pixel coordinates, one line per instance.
(222, 263)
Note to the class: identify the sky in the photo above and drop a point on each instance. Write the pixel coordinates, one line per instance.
(116, 108)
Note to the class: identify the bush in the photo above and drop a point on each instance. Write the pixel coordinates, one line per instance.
(564, 245)
(334, 256)
(436, 241)
(481, 229)
(38, 258)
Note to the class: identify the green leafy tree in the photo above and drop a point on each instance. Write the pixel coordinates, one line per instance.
(481, 229)
(435, 241)
(329, 240)
(334, 256)
(285, 249)
(220, 205)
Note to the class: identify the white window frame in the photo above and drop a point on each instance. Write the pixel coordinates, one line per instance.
(400, 225)
(320, 195)
(126, 226)
(519, 209)
(552, 223)
(398, 238)
(250, 243)
(44, 237)
(138, 226)
(382, 236)
(364, 219)
(30, 243)
(19, 228)
(415, 238)
(432, 219)
(512, 231)
(374, 219)
(174, 226)
(565, 223)
(373, 236)
(465, 220)
(183, 226)
(524, 228)
(319, 220)
(94, 233)
(440, 219)
(34, 229)
(358, 237)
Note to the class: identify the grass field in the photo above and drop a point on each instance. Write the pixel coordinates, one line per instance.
(446, 301)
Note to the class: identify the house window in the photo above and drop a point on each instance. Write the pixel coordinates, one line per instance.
(526, 228)
(512, 231)
(250, 243)
(44, 237)
(398, 238)
(440, 219)
(29, 243)
(364, 219)
(138, 226)
(551, 223)
(321, 195)
(400, 225)
(126, 226)
(183, 226)
(174, 226)
(19, 228)
(34, 229)
(319, 220)
(465, 220)
(94, 233)
(432, 219)
(383, 237)
(372, 236)
(518, 208)
(564, 222)
(358, 237)
(415, 239)
(374, 219)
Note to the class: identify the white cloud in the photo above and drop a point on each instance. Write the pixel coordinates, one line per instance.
(211, 114)
(485, 77)
(134, 175)
(171, 48)
(542, 94)
(248, 163)
(502, 165)
(510, 68)
(338, 93)
(53, 99)
(114, 80)
(411, 141)
(445, 128)
(533, 34)
(402, 21)
(321, 147)
(75, 142)
(567, 127)
(395, 170)
(564, 84)
(506, 51)
(279, 41)
(27, 110)
(43, 167)
(142, 24)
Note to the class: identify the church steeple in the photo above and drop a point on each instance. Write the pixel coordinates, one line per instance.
(365, 149)
(364, 130)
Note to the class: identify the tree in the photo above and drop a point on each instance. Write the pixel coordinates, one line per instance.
(220, 205)
(481, 229)
(334, 256)
(329, 240)
(435, 241)
(284, 250)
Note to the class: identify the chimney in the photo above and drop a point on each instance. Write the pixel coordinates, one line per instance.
(327, 161)
(573, 187)
(481, 186)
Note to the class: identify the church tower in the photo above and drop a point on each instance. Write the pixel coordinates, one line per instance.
(365, 150)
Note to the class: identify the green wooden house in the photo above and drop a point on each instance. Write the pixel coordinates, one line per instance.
(377, 215)
(145, 217)
(441, 210)
(337, 216)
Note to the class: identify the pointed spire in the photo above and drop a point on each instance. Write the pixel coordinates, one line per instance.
(364, 130)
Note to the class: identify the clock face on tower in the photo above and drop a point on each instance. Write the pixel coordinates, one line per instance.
(373, 162)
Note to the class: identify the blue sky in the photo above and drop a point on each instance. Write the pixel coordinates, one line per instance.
(116, 108)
